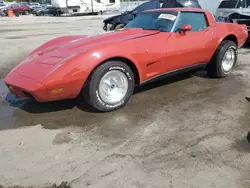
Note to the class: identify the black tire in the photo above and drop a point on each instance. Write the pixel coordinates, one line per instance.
(112, 27)
(91, 88)
(215, 67)
(248, 137)
(16, 14)
(119, 26)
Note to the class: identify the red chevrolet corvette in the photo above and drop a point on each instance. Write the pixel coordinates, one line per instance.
(105, 68)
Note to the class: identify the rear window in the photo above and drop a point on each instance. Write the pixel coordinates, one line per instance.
(228, 4)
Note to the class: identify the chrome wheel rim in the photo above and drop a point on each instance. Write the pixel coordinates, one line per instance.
(113, 87)
(228, 60)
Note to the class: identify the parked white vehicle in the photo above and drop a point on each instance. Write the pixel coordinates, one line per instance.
(236, 10)
(84, 6)
(2, 5)
(228, 7)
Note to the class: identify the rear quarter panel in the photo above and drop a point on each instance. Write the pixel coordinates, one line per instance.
(226, 29)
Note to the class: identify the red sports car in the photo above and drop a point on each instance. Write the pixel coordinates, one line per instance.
(19, 8)
(105, 68)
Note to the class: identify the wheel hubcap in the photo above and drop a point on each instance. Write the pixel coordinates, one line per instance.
(228, 60)
(113, 87)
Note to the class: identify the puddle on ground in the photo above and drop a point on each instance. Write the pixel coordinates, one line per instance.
(8, 104)
(144, 104)
(16, 113)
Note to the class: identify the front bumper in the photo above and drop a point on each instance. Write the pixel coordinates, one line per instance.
(24, 87)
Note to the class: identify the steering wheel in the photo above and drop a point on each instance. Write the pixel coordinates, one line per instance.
(159, 25)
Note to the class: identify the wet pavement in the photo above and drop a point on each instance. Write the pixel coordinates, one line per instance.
(146, 100)
(185, 131)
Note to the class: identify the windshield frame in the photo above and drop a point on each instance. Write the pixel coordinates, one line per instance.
(161, 12)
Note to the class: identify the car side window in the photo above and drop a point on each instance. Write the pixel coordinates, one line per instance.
(248, 3)
(228, 4)
(241, 4)
(196, 19)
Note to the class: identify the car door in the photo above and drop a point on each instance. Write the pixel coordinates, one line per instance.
(193, 47)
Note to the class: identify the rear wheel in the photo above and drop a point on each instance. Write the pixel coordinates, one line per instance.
(248, 137)
(224, 59)
(110, 86)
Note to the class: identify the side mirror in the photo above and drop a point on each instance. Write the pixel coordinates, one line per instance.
(186, 28)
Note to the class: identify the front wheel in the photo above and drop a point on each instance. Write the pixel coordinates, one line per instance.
(16, 14)
(110, 86)
(248, 137)
(224, 59)
(119, 26)
(26, 12)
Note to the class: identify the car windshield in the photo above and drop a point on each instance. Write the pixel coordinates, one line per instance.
(162, 21)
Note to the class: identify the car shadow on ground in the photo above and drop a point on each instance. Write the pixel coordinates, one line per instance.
(36, 107)
(246, 46)
(248, 99)
(242, 145)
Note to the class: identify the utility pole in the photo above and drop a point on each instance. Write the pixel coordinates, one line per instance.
(92, 6)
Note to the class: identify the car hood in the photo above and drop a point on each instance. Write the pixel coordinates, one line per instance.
(76, 46)
(46, 59)
(111, 18)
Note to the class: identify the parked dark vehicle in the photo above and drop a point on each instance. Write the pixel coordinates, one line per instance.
(119, 21)
(181, 3)
(47, 11)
